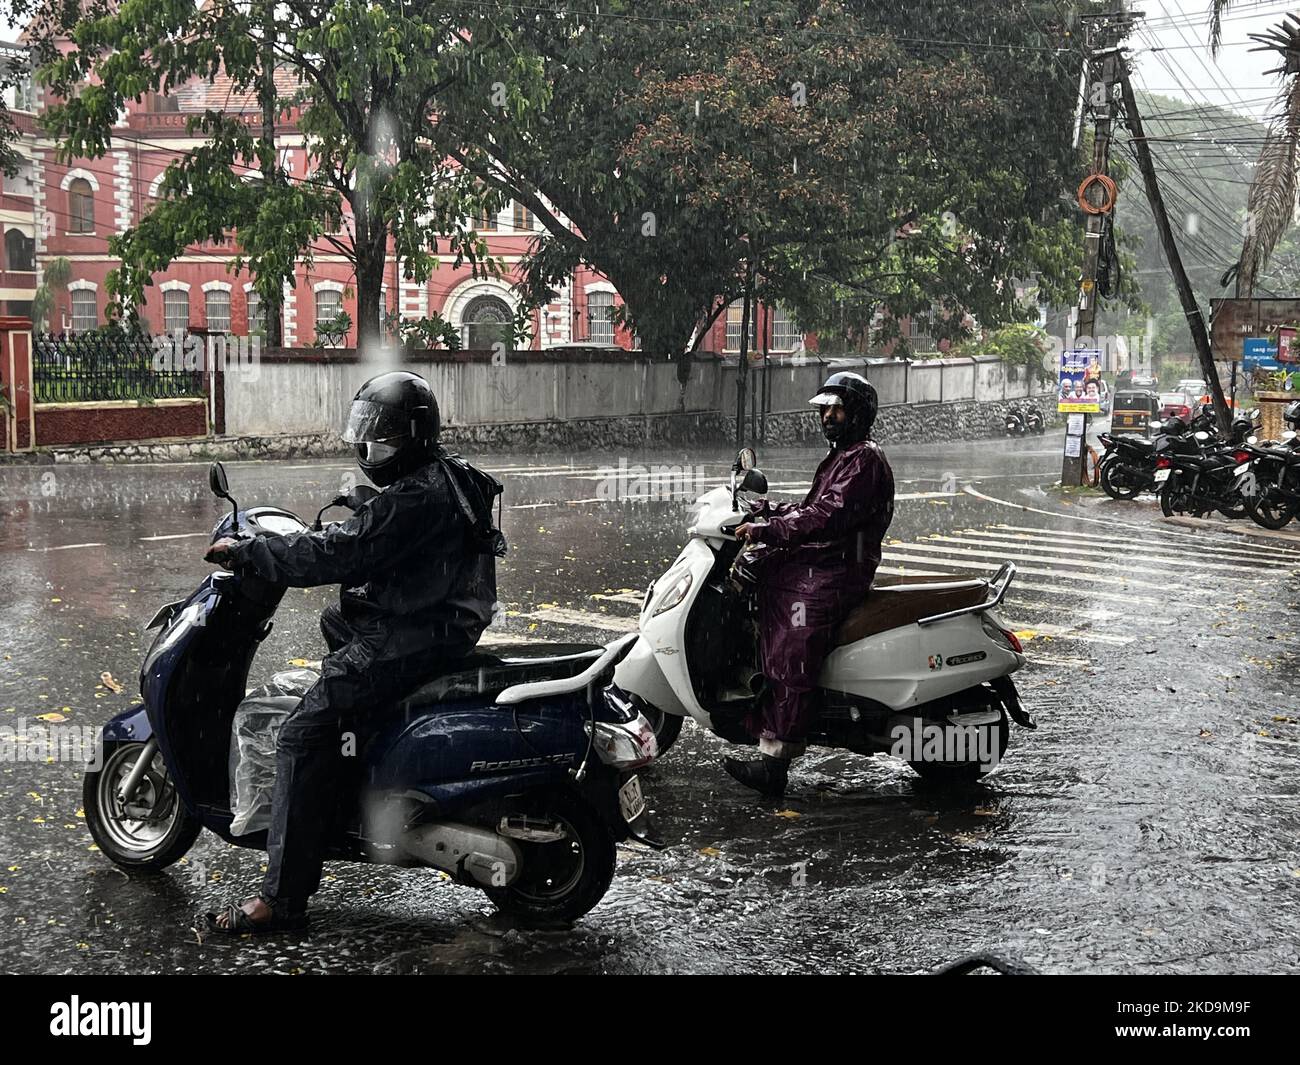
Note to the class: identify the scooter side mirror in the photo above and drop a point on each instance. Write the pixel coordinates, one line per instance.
(221, 489)
(217, 481)
(754, 481)
(1289, 435)
(1252, 440)
(1202, 436)
(746, 459)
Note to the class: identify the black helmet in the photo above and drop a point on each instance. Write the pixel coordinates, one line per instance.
(1291, 414)
(858, 397)
(394, 424)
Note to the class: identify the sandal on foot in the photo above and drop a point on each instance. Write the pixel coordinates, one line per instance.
(284, 918)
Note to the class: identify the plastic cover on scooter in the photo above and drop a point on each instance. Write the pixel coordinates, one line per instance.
(253, 735)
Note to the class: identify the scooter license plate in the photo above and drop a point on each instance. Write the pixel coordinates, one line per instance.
(1162, 476)
(630, 800)
(1242, 468)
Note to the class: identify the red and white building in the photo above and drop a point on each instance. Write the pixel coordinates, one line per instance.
(55, 210)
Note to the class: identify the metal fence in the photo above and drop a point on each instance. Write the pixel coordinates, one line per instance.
(106, 365)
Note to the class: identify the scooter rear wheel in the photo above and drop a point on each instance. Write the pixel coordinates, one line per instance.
(162, 830)
(967, 772)
(559, 882)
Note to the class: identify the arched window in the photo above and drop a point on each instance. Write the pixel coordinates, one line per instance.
(20, 251)
(85, 315)
(217, 309)
(329, 305)
(176, 310)
(81, 206)
(486, 321)
(600, 308)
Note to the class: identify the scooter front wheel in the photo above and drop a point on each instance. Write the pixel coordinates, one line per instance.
(149, 832)
(667, 727)
(559, 882)
(1271, 509)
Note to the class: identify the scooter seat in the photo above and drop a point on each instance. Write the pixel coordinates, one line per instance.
(890, 604)
(492, 669)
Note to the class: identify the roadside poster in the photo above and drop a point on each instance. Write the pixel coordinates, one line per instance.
(1287, 349)
(1080, 389)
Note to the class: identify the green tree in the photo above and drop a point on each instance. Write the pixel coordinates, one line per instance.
(788, 142)
(367, 77)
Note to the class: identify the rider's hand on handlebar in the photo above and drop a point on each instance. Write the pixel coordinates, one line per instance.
(743, 531)
(220, 552)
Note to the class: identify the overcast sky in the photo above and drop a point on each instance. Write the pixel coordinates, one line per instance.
(1183, 68)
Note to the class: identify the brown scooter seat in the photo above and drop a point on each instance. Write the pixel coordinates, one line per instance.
(897, 601)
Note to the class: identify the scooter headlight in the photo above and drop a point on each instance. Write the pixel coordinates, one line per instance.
(674, 595)
(625, 746)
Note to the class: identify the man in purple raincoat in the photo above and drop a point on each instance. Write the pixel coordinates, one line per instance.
(824, 554)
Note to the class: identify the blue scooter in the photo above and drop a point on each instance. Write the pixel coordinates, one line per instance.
(512, 773)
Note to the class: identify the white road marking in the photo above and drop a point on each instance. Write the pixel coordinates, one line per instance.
(1269, 556)
(173, 536)
(1112, 522)
(1078, 553)
(1033, 571)
(587, 618)
(65, 547)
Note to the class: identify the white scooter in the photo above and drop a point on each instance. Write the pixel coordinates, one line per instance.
(921, 668)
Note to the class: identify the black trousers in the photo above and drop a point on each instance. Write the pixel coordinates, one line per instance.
(355, 689)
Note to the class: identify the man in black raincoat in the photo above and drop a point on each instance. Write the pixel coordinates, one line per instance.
(417, 567)
(823, 555)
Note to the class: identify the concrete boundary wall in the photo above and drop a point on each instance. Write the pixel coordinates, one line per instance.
(296, 393)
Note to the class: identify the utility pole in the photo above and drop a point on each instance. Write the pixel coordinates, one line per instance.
(1105, 62)
(1195, 319)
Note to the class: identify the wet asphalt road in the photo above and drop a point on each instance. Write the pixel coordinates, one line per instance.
(1149, 825)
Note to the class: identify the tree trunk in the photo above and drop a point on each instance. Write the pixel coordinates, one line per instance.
(269, 163)
(371, 244)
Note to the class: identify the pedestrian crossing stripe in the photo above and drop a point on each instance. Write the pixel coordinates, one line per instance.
(1269, 555)
(905, 552)
(1077, 553)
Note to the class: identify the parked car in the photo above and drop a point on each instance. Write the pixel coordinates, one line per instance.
(1176, 405)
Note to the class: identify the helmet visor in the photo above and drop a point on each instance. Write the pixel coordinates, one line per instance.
(827, 399)
(370, 422)
(372, 454)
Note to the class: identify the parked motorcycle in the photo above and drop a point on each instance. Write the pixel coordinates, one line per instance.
(1034, 421)
(1202, 482)
(1129, 466)
(511, 773)
(1014, 424)
(1270, 481)
(920, 656)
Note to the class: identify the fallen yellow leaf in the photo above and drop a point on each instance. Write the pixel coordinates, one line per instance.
(710, 852)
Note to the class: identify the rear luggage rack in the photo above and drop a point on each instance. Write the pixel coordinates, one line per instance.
(997, 591)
